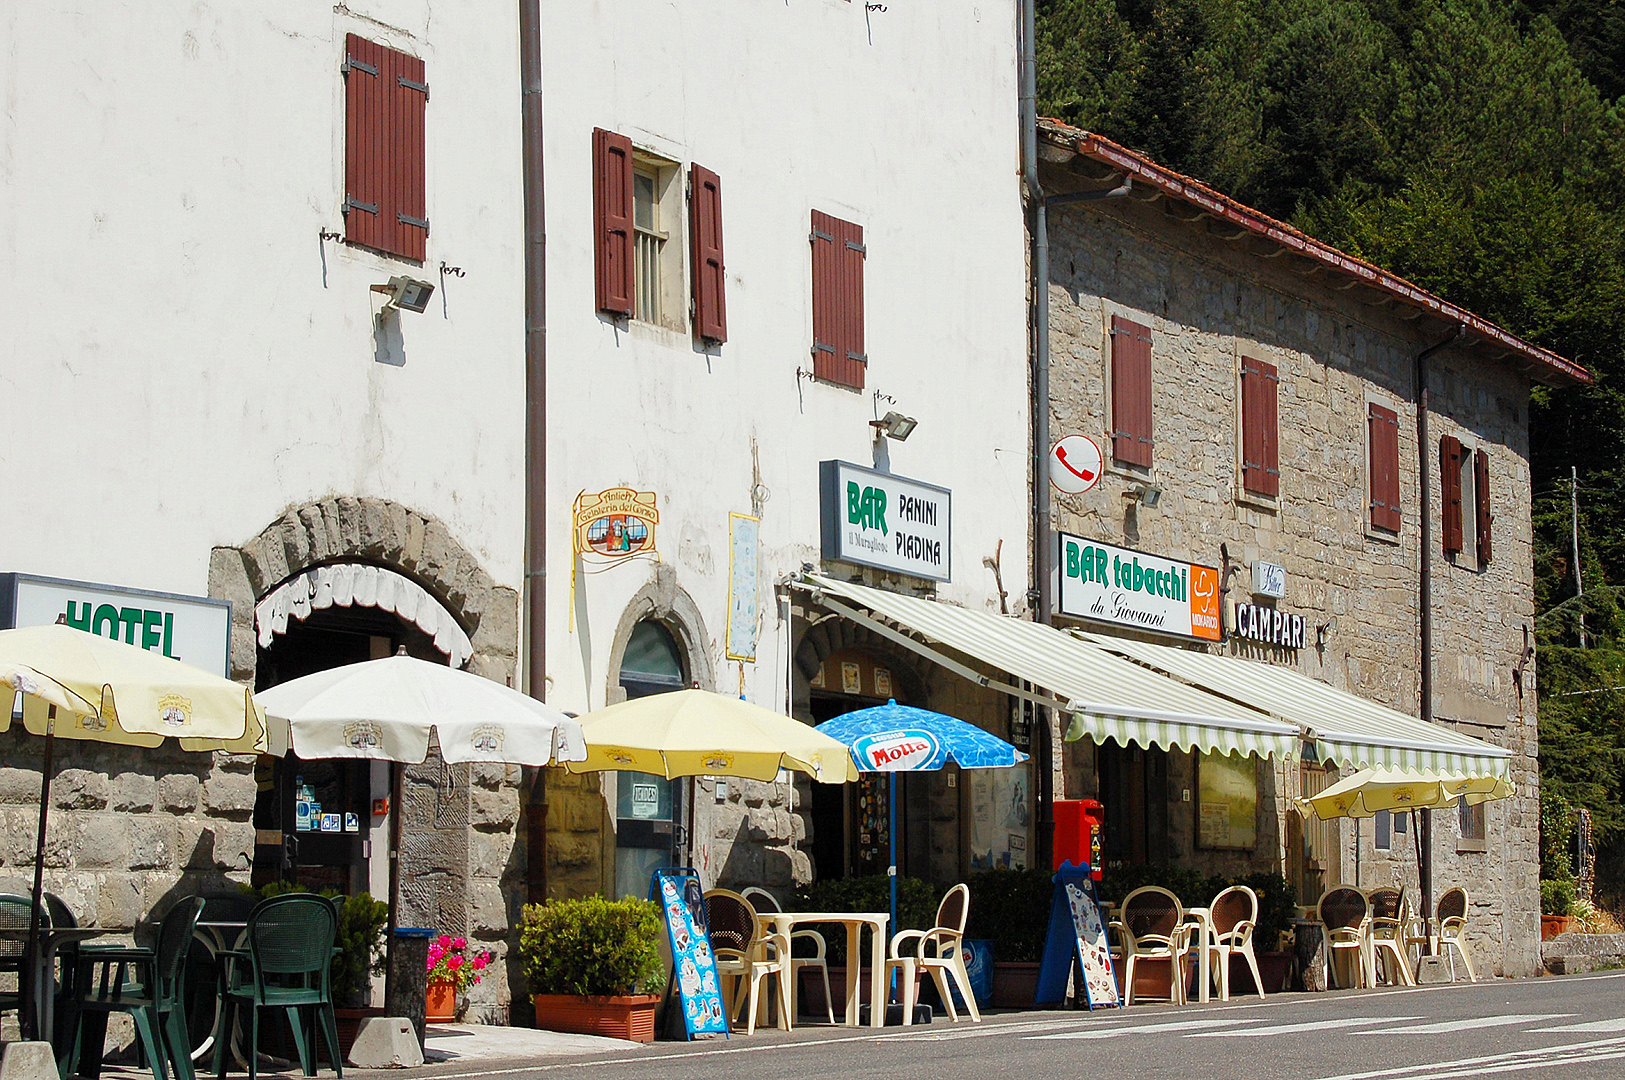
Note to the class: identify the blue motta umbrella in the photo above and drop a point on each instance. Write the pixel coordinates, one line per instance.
(893, 738)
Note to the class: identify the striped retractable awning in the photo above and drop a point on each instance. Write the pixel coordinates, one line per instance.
(1345, 728)
(1110, 697)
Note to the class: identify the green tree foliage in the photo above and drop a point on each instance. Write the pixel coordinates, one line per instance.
(1475, 147)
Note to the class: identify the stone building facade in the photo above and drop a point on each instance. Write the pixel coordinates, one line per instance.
(1218, 285)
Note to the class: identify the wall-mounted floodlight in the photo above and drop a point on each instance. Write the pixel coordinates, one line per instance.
(407, 294)
(894, 425)
(1146, 495)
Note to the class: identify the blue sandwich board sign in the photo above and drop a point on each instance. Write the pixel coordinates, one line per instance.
(693, 964)
(1076, 932)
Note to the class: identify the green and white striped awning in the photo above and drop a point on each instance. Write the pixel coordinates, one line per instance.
(1345, 728)
(1109, 697)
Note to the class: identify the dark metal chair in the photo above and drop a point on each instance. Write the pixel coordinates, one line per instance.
(287, 965)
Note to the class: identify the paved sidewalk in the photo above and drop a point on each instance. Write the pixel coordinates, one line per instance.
(481, 1042)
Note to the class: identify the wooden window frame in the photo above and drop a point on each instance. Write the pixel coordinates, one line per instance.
(612, 201)
(1132, 376)
(1450, 518)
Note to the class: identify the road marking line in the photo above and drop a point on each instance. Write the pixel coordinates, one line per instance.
(1308, 1028)
(1616, 1024)
(1510, 1062)
(1446, 1027)
(1150, 1029)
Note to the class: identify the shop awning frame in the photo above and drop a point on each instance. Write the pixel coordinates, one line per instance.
(1102, 690)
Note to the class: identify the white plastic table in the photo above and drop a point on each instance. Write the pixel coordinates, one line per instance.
(1203, 919)
(784, 921)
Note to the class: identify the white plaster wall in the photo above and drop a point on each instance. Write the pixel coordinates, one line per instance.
(904, 121)
(174, 370)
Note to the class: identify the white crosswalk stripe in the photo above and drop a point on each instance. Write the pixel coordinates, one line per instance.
(1305, 1028)
(1490, 1065)
(1615, 1024)
(1150, 1029)
(1446, 1027)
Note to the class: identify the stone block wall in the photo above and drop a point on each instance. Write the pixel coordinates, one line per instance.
(1209, 302)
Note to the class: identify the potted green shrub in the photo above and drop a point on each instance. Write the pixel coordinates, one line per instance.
(1556, 904)
(594, 965)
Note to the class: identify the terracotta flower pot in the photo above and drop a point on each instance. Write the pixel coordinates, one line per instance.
(631, 1017)
(440, 1003)
(1553, 925)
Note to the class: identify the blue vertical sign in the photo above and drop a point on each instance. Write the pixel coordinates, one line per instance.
(694, 966)
(1076, 933)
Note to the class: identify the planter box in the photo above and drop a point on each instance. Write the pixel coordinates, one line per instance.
(810, 994)
(1273, 967)
(631, 1017)
(1015, 983)
(1553, 925)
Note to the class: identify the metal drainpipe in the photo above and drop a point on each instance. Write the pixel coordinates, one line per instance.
(1424, 869)
(530, 77)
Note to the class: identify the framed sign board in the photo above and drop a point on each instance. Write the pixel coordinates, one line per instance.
(1227, 802)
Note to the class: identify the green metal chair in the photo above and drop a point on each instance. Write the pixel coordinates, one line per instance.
(286, 966)
(149, 984)
(14, 912)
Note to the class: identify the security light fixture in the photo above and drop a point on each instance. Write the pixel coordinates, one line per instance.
(894, 425)
(407, 294)
(1144, 494)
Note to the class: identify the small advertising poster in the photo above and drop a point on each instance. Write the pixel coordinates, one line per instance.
(1093, 954)
(744, 563)
(694, 966)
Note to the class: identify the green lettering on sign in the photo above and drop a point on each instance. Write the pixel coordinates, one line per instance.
(866, 507)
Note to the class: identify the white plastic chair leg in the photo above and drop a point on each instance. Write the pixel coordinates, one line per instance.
(1252, 965)
(962, 977)
(908, 988)
(1128, 980)
(1466, 961)
(829, 999)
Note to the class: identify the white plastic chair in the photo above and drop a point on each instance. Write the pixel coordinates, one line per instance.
(1151, 926)
(1235, 915)
(746, 955)
(1389, 928)
(1453, 907)
(940, 951)
(764, 901)
(1346, 914)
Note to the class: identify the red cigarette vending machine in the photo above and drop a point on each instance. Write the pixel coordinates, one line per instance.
(1078, 825)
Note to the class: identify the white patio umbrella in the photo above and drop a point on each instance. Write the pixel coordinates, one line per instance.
(383, 710)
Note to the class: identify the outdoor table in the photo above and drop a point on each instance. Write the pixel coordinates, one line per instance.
(783, 922)
(41, 982)
(1203, 919)
(217, 936)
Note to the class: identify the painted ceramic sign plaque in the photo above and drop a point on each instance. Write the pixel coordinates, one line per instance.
(616, 523)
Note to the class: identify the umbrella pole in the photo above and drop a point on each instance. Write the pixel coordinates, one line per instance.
(891, 833)
(395, 812)
(1421, 887)
(31, 977)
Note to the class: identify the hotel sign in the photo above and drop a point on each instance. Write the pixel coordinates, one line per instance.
(1131, 588)
(195, 629)
(876, 519)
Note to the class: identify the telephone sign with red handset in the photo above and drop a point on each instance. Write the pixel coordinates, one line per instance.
(1075, 464)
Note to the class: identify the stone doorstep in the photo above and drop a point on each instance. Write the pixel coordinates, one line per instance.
(1593, 945)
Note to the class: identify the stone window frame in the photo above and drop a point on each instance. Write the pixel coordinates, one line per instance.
(1467, 558)
(1371, 532)
(1468, 844)
(1269, 355)
(1111, 466)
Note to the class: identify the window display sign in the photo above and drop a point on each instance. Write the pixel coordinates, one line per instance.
(1227, 801)
(194, 629)
(1131, 588)
(876, 519)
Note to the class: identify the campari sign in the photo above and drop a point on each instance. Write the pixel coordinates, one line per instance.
(1130, 588)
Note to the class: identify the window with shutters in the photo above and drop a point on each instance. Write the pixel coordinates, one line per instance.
(1260, 436)
(1464, 495)
(1131, 392)
(385, 101)
(1382, 466)
(837, 299)
(637, 215)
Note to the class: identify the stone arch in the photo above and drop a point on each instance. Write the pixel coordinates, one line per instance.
(666, 602)
(830, 635)
(350, 529)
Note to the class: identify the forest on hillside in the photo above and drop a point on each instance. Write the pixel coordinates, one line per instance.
(1477, 148)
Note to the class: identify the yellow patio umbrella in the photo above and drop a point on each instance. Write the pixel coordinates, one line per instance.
(698, 733)
(80, 686)
(1368, 791)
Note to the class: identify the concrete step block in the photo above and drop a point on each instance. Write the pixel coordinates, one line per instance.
(382, 1042)
(28, 1061)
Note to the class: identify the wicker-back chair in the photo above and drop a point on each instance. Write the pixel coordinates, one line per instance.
(1345, 912)
(1151, 925)
(1234, 913)
(1390, 931)
(939, 951)
(765, 902)
(1452, 910)
(746, 955)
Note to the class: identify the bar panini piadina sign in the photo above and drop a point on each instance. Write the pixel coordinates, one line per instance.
(1130, 588)
(877, 519)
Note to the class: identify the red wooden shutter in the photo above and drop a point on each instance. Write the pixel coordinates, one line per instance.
(1260, 439)
(1450, 492)
(705, 213)
(385, 103)
(612, 220)
(837, 257)
(1131, 392)
(1481, 497)
(1383, 464)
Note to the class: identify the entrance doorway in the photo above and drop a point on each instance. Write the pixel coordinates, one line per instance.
(312, 819)
(1134, 790)
(649, 809)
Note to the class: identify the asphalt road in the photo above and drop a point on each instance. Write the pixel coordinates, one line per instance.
(1565, 1027)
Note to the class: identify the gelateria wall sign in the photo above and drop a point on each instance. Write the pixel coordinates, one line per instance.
(1131, 588)
(617, 523)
